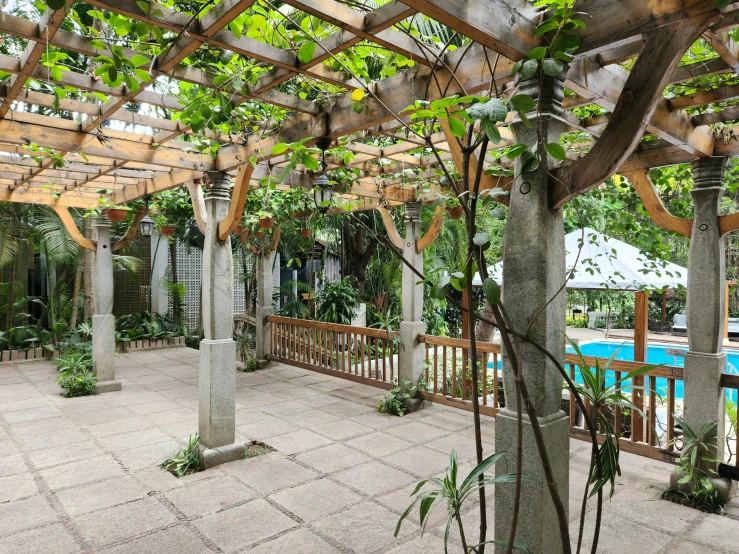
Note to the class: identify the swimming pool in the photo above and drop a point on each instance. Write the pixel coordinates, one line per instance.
(656, 354)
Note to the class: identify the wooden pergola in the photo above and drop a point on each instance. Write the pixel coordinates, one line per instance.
(132, 164)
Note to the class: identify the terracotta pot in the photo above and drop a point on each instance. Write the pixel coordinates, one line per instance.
(266, 222)
(455, 212)
(167, 230)
(253, 249)
(306, 233)
(115, 215)
(259, 234)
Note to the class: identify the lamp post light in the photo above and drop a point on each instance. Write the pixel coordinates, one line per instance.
(323, 191)
(147, 225)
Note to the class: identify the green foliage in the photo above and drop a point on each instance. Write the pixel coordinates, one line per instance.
(187, 460)
(577, 323)
(394, 403)
(447, 491)
(603, 400)
(75, 374)
(337, 302)
(695, 468)
(147, 326)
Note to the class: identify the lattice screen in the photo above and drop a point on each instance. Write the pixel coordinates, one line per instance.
(189, 272)
(131, 290)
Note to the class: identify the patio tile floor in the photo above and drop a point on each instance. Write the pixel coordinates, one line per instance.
(82, 475)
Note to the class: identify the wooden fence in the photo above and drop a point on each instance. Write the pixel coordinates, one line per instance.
(369, 356)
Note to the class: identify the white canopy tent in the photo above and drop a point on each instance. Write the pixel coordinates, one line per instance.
(607, 263)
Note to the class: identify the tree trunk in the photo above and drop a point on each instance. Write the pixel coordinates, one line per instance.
(87, 261)
(357, 254)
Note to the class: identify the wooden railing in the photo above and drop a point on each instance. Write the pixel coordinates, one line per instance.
(359, 354)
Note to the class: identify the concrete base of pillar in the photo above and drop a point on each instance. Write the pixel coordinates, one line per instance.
(412, 353)
(103, 347)
(262, 340)
(725, 488)
(107, 386)
(222, 455)
(538, 526)
(217, 409)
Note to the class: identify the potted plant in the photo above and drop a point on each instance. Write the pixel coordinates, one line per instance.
(453, 209)
(114, 212)
(266, 219)
(306, 232)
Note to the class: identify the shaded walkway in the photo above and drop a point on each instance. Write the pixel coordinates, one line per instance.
(81, 475)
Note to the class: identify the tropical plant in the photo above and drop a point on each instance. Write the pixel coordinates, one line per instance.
(695, 468)
(448, 492)
(396, 401)
(186, 460)
(292, 305)
(337, 302)
(75, 374)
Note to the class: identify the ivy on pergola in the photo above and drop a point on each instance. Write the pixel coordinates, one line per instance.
(210, 86)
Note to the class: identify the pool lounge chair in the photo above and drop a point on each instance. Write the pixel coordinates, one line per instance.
(679, 325)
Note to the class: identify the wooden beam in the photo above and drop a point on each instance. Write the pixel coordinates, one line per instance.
(238, 200)
(132, 230)
(433, 231)
(653, 205)
(663, 49)
(71, 227)
(392, 230)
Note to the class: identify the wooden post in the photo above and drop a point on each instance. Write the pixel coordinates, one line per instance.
(664, 307)
(641, 340)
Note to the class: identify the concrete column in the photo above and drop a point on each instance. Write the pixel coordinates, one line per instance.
(411, 355)
(103, 321)
(704, 397)
(265, 289)
(217, 413)
(159, 254)
(533, 272)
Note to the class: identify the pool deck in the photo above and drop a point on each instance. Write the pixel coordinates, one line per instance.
(82, 475)
(628, 334)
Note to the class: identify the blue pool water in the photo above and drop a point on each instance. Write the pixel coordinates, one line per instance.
(656, 354)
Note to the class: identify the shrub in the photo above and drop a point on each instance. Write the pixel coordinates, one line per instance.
(394, 403)
(187, 460)
(337, 302)
(75, 374)
(579, 323)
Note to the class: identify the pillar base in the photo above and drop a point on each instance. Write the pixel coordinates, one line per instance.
(263, 345)
(538, 526)
(725, 488)
(222, 455)
(103, 347)
(217, 409)
(107, 386)
(412, 353)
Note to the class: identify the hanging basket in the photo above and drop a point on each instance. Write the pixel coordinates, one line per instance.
(266, 222)
(306, 233)
(455, 212)
(115, 215)
(167, 230)
(259, 234)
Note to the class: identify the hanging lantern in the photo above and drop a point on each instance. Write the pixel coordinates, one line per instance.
(147, 225)
(323, 191)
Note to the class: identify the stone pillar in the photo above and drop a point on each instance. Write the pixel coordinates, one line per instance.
(103, 321)
(265, 288)
(411, 355)
(217, 413)
(704, 397)
(159, 255)
(533, 272)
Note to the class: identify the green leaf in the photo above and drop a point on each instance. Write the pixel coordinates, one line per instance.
(721, 4)
(494, 110)
(457, 127)
(280, 148)
(528, 69)
(481, 239)
(139, 60)
(143, 75)
(522, 103)
(55, 4)
(492, 291)
(515, 151)
(56, 73)
(97, 44)
(552, 67)
(307, 49)
(538, 53)
(112, 74)
(491, 130)
(556, 151)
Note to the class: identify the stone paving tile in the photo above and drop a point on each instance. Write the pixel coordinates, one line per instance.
(243, 525)
(25, 514)
(17, 486)
(120, 522)
(417, 431)
(148, 456)
(134, 439)
(10, 464)
(311, 418)
(364, 528)
(270, 473)
(719, 533)
(374, 478)
(175, 540)
(103, 494)
(379, 444)
(317, 499)
(333, 457)
(302, 541)
(81, 472)
(613, 538)
(45, 458)
(38, 541)
(283, 408)
(342, 429)
(419, 461)
(268, 428)
(210, 495)
(62, 437)
(298, 441)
